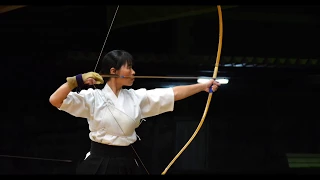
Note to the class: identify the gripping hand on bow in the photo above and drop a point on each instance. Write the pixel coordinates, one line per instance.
(214, 85)
(89, 78)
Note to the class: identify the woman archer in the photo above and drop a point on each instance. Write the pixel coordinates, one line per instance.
(113, 113)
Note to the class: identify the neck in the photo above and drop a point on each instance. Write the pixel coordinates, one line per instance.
(114, 86)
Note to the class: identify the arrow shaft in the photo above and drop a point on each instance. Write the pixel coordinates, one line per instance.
(156, 77)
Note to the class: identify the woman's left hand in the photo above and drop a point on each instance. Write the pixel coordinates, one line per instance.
(215, 85)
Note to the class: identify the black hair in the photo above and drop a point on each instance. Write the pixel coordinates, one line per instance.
(115, 59)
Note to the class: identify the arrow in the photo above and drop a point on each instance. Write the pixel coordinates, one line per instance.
(156, 77)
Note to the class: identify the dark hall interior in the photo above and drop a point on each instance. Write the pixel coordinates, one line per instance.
(264, 120)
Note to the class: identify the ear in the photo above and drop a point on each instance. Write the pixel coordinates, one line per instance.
(112, 71)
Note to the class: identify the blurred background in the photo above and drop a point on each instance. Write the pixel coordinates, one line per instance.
(264, 120)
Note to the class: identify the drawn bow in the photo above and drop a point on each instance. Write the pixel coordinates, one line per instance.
(215, 72)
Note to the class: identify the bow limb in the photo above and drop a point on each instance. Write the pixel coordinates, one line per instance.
(215, 72)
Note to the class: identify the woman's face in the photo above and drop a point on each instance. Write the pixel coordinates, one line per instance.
(125, 70)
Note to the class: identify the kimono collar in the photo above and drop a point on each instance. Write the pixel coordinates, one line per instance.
(107, 91)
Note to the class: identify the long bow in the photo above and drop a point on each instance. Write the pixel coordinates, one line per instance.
(215, 72)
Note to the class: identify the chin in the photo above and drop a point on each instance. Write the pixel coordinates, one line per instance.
(129, 84)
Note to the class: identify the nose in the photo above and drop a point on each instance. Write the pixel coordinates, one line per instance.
(133, 72)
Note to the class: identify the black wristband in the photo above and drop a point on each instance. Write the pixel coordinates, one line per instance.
(79, 80)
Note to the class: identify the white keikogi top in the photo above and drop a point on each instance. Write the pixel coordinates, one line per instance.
(112, 120)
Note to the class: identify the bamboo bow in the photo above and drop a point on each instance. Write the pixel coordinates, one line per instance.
(215, 72)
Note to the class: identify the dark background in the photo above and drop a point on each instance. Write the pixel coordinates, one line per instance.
(264, 113)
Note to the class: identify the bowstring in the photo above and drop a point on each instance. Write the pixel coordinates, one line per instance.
(105, 40)
(114, 16)
(104, 43)
(130, 144)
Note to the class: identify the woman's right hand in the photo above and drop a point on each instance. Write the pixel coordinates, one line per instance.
(92, 78)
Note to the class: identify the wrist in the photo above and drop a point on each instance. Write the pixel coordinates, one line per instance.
(79, 79)
(204, 86)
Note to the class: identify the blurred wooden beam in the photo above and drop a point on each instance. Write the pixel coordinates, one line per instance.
(4, 9)
(135, 15)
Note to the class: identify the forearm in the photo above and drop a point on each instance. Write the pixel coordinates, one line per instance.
(56, 99)
(182, 92)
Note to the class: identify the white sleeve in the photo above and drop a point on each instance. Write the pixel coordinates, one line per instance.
(79, 104)
(156, 101)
